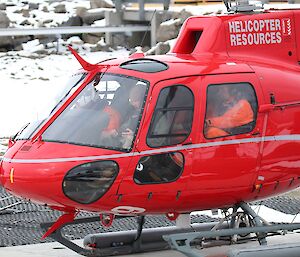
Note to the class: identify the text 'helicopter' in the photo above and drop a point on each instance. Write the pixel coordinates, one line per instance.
(213, 124)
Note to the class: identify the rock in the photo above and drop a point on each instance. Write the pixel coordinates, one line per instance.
(165, 16)
(73, 21)
(2, 6)
(47, 21)
(17, 11)
(18, 48)
(101, 46)
(101, 4)
(33, 6)
(168, 30)
(182, 15)
(4, 20)
(80, 11)
(18, 40)
(138, 48)
(44, 39)
(30, 45)
(92, 38)
(60, 8)
(43, 78)
(25, 23)
(74, 41)
(6, 42)
(25, 13)
(160, 48)
(90, 17)
(45, 9)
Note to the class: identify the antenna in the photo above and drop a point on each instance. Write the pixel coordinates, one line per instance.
(84, 64)
(149, 24)
(243, 6)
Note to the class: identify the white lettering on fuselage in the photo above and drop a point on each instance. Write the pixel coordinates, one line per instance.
(258, 32)
(127, 210)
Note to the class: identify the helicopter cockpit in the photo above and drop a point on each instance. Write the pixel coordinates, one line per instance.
(105, 114)
(52, 105)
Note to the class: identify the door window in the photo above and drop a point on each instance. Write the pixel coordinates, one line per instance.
(173, 117)
(231, 109)
(160, 168)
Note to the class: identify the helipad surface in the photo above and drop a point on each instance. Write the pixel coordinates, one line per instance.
(57, 250)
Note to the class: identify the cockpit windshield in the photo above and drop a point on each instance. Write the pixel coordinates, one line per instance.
(105, 114)
(54, 102)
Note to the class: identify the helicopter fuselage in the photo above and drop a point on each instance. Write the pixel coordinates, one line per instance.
(178, 166)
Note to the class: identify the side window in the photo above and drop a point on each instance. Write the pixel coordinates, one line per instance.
(160, 168)
(231, 109)
(173, 117)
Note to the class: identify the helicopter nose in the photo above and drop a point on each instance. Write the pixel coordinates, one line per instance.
(48, 173)
(1, 173)
(59, 184)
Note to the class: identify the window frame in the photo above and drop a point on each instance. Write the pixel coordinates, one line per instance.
(255, 112)
(157, 110)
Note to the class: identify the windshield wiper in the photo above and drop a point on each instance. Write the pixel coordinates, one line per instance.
(19, 132)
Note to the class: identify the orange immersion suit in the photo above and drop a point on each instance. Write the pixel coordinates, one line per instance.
(239, 114)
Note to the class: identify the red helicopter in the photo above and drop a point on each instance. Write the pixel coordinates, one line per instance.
(213, 124)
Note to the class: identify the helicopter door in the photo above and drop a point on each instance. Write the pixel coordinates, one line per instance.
(161, 164)
(229, 145)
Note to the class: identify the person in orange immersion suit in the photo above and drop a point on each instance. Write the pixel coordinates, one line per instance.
(228, 110)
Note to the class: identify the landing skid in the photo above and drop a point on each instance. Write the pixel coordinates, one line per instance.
(155, 239)
(182, 242)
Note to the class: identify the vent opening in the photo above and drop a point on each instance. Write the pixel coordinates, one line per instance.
(189, 41)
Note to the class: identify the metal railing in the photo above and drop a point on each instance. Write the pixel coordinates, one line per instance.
(70, 30)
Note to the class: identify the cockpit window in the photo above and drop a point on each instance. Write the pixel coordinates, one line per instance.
(144, 65)
(55, 102)
(105, 114)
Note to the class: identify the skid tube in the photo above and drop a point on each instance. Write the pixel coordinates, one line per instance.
(58, 236)
(182, 242)
(164, 238)
(123, 242)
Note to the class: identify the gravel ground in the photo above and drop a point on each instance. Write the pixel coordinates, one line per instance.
(20, 224)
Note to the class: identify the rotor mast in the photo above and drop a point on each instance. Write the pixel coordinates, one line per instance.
(243, 5)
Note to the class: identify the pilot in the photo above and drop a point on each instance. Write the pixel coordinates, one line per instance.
(136, 97)
(123, 120)
(229, 111)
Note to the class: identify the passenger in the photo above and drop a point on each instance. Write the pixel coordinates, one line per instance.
(227, 111)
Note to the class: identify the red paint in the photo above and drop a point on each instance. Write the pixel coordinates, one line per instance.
(213, 177)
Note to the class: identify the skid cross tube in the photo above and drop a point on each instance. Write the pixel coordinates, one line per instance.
(257, 221)
(181, 242)
(58, 236)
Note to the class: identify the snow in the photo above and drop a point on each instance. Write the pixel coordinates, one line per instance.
(268, 214)
(28, 80)
(37, 17)
(27, 84)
